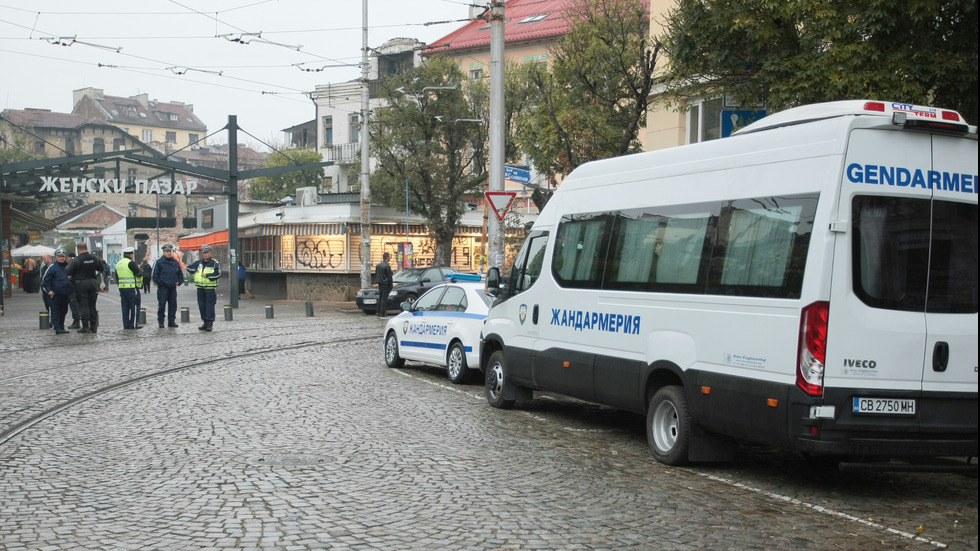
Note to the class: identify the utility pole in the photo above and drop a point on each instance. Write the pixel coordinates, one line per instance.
(365, 154)
(232, 208)
(496, 183)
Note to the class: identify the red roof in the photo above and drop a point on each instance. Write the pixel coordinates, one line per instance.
(525, 21)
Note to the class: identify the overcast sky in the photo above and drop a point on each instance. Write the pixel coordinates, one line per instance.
(160, 39)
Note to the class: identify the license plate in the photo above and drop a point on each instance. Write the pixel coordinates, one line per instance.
(370, 301)
(884, 406)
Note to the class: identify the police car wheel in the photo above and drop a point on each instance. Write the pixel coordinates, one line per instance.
(495, 382)
(456, 363)
(392, 359)
(669, 426)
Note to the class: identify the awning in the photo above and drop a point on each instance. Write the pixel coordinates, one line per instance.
(195, 242)
(293, 229)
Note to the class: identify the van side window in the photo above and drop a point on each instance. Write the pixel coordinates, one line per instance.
(746, 247)
(527, 265)
(580, 251)
(893, 265)
(761, 246)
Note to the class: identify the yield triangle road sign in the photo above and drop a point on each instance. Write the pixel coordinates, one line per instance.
(500, 202)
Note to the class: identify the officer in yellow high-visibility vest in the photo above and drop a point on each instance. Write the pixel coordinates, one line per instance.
(126, 270)
(206, 272)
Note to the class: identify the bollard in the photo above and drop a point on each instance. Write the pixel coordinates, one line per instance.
(142, 317)
(227, 312)
(43, 320)
(309, 309)
(269, 312)
(185, 315)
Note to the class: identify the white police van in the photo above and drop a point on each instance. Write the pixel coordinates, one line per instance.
(809, 283)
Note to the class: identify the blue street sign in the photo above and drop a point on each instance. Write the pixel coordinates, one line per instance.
(516, 173)
(733, 119)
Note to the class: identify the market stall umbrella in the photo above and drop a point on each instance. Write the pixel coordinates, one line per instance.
(31, 250)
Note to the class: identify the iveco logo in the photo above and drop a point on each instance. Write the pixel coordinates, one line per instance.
(866, 364)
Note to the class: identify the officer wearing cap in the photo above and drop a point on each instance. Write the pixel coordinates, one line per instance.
(126, 270)
(168, 276)
(57, 287)
(206, 272)
(85, 272)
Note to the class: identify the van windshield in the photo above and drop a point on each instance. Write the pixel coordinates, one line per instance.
(915, 255)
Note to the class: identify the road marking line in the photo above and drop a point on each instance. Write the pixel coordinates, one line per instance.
(821, 509)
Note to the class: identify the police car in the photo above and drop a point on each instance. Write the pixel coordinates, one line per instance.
(441, 328)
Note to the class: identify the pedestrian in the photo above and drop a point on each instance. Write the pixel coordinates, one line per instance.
(242, 274)
(206, 272)
(72, 298)
(57, 287)
(126, 270)
(85, 272)
(29, 275)
(168, 275)
(45, 264)
(384, 276)
(147, 275)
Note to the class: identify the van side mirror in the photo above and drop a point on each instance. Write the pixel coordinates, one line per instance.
(493, 281)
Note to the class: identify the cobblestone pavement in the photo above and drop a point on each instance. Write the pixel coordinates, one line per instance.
(289, 433)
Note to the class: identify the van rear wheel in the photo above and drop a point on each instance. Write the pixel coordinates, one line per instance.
(495, 382)
(669, 426)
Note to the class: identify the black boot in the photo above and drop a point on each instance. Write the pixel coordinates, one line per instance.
(209, 325)
(203, 327)
(93, 326)
(74, 325)
(85, 328)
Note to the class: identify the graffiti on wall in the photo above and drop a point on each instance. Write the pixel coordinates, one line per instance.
(320, 253)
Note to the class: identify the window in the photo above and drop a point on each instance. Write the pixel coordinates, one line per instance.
(173, 116)
(327, 130)
(355, 128)
(172, 138)
(915, 254)
(745, 247)
(529, 261)
(580, 248)
(193, 139)
(476, 74)
(147, 135)
(98, 145)
(118, 144)
(428, 301)
(534, 18)
(454, 300)
(704, 121)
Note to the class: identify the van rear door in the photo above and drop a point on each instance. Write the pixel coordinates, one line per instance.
(951, 308)
(903, 308)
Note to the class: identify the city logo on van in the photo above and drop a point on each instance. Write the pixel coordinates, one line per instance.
(864, 364)
(596, 321)
(912, 178)
(523, 313)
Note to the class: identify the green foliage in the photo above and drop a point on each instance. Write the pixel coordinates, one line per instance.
(788, 53)
(591, 103)
(434, 138)
(274, 188)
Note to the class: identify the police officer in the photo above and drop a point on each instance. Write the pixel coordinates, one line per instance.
(168, 276)
(56, 286)
(85, 271)
(126, 270)
(206, 272)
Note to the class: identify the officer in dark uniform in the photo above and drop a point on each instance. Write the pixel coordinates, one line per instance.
(85, 272)
(72, 298)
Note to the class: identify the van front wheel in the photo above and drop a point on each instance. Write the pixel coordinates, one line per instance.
(669, 426)
(495, 382)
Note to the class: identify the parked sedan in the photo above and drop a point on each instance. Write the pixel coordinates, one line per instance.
(408, 284)
(441, 328)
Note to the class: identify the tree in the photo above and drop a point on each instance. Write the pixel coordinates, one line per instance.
(432, 131)
(274, 188)
(787, 53)
(592, 102)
